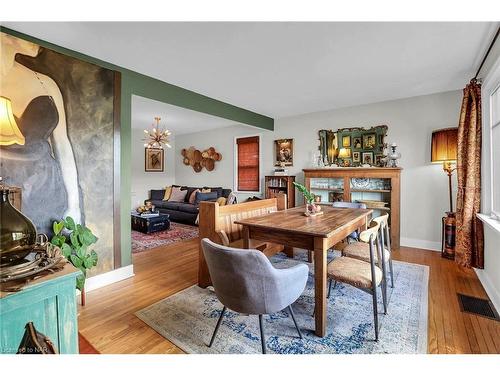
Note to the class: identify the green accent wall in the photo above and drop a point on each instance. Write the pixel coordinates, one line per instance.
(134, 83)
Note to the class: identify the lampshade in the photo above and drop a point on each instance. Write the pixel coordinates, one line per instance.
(345, 153)
(9, 131)
(444, 145)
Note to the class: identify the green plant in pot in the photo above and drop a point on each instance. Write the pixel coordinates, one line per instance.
(311, 208)
(74, 241)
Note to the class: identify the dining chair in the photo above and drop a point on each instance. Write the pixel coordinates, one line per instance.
(360, 250)
(246, 282)
(354, 236)
(366, 276)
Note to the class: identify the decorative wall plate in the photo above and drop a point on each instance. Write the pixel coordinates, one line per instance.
(201, 159)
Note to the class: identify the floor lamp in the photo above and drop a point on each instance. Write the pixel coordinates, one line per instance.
(444, 150)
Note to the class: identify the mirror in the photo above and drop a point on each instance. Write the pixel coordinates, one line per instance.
(353, 147)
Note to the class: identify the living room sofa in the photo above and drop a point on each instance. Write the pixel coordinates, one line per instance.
(182, 212)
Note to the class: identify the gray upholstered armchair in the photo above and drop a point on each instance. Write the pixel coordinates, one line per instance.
(245, 281)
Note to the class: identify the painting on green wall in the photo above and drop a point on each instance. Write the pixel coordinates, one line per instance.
(65, 109)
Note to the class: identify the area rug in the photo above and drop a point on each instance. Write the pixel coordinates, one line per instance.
(177, 232)
(188, 319)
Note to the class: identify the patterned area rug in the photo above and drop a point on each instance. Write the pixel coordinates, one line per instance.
(177, 232)
(188, 319)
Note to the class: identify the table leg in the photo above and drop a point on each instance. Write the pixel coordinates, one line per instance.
(246, 237)
(309, 256)
(288, 251)
(320, 264)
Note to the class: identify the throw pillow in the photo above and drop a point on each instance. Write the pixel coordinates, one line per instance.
(204, 197)
(192, 197)
(177, 195)
(168, 191)
(231, 199)
(221, 201)
(217, 189)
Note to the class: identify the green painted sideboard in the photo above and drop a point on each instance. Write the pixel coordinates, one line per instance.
(48, 302)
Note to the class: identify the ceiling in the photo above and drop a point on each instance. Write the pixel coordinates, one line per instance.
(281, 69)
(176, 119)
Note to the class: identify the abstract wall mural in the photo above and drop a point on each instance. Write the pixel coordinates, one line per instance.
(65, 109)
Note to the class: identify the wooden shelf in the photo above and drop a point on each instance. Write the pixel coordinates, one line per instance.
(370, 191)
(379, 208)
(328, 189)
(272, 191)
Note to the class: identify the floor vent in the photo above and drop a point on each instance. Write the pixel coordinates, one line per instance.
(477, 306)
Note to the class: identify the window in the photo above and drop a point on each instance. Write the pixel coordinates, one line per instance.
(248, 164)
(495, 151)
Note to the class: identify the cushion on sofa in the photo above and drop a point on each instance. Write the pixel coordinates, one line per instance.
(218, 190)
(189, 190)
(192, 197)
(226, 192)
(189, 208)
(205, 197)
(168, 191)
(157, 195)
(177, 195)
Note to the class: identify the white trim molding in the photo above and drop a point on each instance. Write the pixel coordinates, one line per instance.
(489, 287)
(107, 278)
(489, 221)
(420, 244)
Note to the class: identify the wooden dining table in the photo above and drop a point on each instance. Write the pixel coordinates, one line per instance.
(318, 234)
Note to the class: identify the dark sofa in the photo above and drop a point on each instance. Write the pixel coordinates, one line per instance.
(182, 212)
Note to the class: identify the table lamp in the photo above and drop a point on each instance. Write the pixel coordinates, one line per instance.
(345, 153)
(9, 131)
(444, 150)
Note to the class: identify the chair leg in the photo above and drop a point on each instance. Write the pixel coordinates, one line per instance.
(329, 288)
(383, 286)
(217, 326)
(262, 337)
(294, 321)
(392, 272)
(375, 310)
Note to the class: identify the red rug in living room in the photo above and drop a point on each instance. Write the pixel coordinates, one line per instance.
(177, 232)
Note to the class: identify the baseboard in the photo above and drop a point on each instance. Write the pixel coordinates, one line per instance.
(420, 244)
(107, 278)
(488, 286)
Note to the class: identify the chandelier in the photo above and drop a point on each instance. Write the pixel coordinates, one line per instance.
(156, 137)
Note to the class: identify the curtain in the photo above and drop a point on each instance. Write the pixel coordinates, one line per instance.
(469, 243)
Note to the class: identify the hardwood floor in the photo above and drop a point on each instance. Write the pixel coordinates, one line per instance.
(109, 324)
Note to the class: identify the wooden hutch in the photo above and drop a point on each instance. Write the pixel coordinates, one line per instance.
(373, 185)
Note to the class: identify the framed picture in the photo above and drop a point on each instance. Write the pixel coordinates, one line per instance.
(356, 141)
(378, 159)
(368, 157)
(356, 157)
(154, 159)
(369, 141)
(283, 152)
(346, 141)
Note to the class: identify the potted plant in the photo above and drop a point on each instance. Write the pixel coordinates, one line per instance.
(74, 241)
(312, 209)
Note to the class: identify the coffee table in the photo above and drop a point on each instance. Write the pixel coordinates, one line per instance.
(150, 224)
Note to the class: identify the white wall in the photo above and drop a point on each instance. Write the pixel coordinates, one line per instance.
(424, 186)
(143, 182)
(223, 141)
(489, 276)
